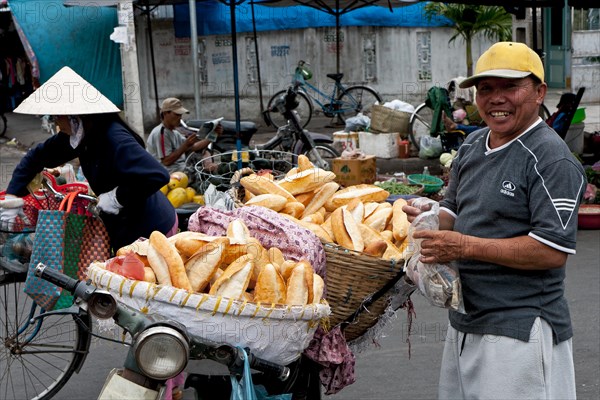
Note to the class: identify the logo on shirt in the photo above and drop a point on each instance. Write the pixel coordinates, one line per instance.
(508, 188)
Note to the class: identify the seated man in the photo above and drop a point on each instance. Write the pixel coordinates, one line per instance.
(450, 125)
(167, 144)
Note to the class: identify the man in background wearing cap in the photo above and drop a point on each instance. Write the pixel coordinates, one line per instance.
(508, 221)
(167, 144)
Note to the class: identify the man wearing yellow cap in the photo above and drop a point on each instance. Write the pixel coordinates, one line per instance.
(509, 221)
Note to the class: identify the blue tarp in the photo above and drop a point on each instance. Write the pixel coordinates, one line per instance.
(214, 18)
(74, 36)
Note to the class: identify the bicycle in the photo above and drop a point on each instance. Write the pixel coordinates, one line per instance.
(343, 102)
(421, 120)
(39, 355)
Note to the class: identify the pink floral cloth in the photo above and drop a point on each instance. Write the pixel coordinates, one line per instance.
(270, 228)
(330, 350)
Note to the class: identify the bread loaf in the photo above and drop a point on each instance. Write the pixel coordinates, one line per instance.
(345, 230)
(307, 180)
(300, 285)
(400, 222)
(260, 185)
(364, 192)
(166, 254)
(293, 208)
(270, 287)
(318, 288)
(238, 232)
(274, 202)
(202, 266)
(320, 198)
(234, 280)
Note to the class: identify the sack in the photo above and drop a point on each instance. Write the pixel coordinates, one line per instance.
(386, 120)
(67, 242)
(244, 389)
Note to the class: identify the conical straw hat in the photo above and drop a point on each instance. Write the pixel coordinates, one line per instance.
(66, 93)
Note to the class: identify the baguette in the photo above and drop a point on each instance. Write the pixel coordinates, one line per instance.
(306, 180)
(376, 249)
(305, 198)
(149, 275)
(318, 289)
(315, 218)
(346, 231)
(293, 208)
(379, 219)
(234, 280)
(364, 192)
(274, 202)
(400, 222)
(270, 287)
(286, 269)
(300, 289)
(260, 185)
(320, 198)
(188, 246)
(304, 163)
(203, 265)
(166, 253)
(357, 209)
(238, 232)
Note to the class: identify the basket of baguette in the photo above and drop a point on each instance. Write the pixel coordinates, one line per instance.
(364, 236)
(226, 288)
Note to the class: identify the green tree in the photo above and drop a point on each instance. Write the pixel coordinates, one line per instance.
(493, 22)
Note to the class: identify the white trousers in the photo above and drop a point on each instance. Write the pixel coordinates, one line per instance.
(499, 367)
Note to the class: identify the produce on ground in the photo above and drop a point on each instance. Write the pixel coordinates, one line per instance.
(179, 193)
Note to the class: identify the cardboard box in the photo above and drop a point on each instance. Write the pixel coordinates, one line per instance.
(350, 172)
(381, 145)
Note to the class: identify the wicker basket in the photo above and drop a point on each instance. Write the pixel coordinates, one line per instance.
(386, 120)
(353, 281)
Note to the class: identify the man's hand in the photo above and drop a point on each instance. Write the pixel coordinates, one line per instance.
(440, 247)
(412, 212)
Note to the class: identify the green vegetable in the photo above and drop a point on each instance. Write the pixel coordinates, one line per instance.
(398, 188)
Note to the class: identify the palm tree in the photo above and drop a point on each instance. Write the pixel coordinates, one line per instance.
(468, 21)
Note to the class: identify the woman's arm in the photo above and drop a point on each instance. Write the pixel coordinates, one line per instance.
(55, 151)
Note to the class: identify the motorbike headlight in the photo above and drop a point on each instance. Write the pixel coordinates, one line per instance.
(161, 352)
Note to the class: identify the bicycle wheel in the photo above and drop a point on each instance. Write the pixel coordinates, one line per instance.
(3, 125)
(356, 99)
(304, 110)
(326, 152)
(36, 360)
(419, 124)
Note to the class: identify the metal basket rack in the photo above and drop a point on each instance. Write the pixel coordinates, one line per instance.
(219, 169)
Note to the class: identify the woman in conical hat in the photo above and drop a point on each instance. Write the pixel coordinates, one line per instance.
(126, 178)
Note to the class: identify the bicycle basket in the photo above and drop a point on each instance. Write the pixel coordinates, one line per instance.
(218, 169)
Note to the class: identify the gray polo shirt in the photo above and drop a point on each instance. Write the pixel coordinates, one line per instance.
(530, 186)
(162, 142)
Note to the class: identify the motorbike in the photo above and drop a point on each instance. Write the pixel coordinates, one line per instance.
(162, 348)
(291, 138)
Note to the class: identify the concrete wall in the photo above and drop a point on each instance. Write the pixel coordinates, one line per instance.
(400, 63)
(586, 64)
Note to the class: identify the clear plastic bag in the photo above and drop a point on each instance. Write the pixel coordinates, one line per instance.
(439, 283)
(430, 147)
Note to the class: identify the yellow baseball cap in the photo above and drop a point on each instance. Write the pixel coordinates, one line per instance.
(506, 60)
